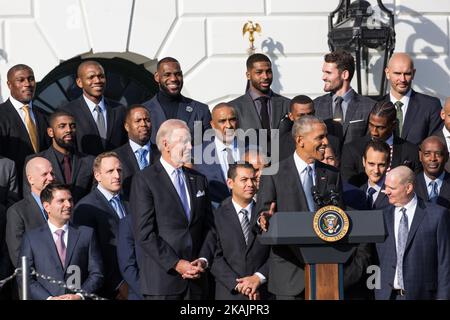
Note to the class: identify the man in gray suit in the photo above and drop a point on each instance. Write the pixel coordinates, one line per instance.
(345, 111)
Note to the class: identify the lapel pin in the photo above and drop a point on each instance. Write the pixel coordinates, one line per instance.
(189, 109)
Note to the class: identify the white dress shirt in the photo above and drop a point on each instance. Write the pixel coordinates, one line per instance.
(102, 106)
(301, 166)
(439, 180)
(446, 134)
(18, 106)
(135, 147)
(53, 228)
(404, 100)
(170, 171)
(222, 154)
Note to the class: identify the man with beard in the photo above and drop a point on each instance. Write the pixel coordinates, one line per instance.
(345, 112)
(69, 166)
(99, 119)
(169, 103)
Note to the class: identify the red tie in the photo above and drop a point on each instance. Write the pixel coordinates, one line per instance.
(67, 169)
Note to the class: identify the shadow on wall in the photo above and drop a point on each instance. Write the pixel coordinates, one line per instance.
(427, 67)
(273, 48)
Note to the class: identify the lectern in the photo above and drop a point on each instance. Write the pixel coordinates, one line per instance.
(324, 260)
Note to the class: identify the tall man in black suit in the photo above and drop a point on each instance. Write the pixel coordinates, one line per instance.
(172, 215)
(444, 132)
(99, 119)
(138, 152)
(417, 113)
(22, 125)
(433, 184)
(240, 265)
(69, 166)
(102, 209)
(169, 103)
(56, 247)
(382, 122)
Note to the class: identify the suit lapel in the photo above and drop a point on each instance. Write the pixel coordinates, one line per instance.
(110, 116)
(17, 120)
(76, 165)
(389, 224)
(132, 158)
(185, 110)
(72, 240)
(85, 113)
(294, 182)
(192, 187)
(277, 109)
(252, 233)
(445, 188)
(235, 224)
(51, 245)
(381, 198)
(351, 109)
(411, 113)
(321, 178)
(250, 112)
(396, 153)
(50, 153)
(417, 220)
(106, 206)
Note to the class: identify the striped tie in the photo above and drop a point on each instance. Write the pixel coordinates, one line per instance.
(245, 224)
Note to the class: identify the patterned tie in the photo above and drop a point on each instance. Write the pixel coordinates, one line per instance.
(338, 115)
(67, 169)
(101, 125)
(117, 205)
(398, 106)
(265, 119)
(307, 186)
(142, 158)
(402, 236)
(61, 246)
(245, 224)
(433, 194)
(31, 127)
(181, 190)
(370, 192)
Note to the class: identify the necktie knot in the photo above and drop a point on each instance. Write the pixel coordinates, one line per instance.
(117, 205)
(398, 105)
(371, 191)
(338, 112)
(245, 224)
(31, 127)
(264, 112)
(61, 246)
(59, 232)
(142, 158)
(101, 123)
(434, 193)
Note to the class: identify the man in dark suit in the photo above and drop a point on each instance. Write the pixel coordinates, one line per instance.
(172, 215)
(240, 265)
(22, 125)
(433, 184)
(417, 113)
(444, 132)
(28, 213)
(102, 210)
(138, 152)
(69, 166)
(414, 259)
(99, 119)
(382, 122)
(59, 248)
(9, 189)
(169, 103)
(344, 111)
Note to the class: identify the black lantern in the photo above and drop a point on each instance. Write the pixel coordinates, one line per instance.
(358, 28)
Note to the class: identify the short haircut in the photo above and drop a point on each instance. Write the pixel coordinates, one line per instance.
(343, 60)
(87, 63)
(165, 60)
(379, 146)
(304, 125)
(232, 169)
(385, 109)
(134, 107)
(17, 67)
(55, 115)
(47, 193)
(300, 99)
(223, 105)
(100, 157)
(256, 57)
(404, 174)
(166, 129)
(436, 139)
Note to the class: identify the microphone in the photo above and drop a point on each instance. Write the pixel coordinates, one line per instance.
(317, 197)
(334, 196)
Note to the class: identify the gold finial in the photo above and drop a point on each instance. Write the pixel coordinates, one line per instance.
(251, 28)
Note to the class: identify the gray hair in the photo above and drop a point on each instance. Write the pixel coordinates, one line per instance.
(166, 129)
(404, 174)
(304, 125)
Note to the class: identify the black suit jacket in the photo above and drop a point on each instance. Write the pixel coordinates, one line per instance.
(82, 251)
(422, 117)
(444, 194)
(96, 212)
(352, 168)
(130, 165)
(440, 134)
(9, 188)
(15, 142)
(233, 257)
(163, 231)
(88, 138)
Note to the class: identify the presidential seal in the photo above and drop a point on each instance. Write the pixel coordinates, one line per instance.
(331, 223)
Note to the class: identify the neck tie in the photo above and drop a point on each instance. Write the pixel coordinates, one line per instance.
(61, 246)
(338, 115)
(370, 193)
(398, 106)
(181, 190)
(142, 158)
(229, 154)
(67, 169)
(265, 120)
(31, 127)
(101, 125)
(117, 205)
(433, 193)
(307, 186)
(245, 224)
(402, 236)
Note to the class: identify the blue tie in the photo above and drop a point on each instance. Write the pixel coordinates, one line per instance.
(142, 158)
(370, 192)
(433, 195)
(117, 205)
(402, 237)
(307, 185)
(181, 190)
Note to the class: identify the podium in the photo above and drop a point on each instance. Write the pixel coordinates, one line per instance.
(324, 260)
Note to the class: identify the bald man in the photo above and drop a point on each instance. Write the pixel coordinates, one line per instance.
(417, 113)
(444, 133)
(99, 120)
(28, 213)
(414, 259)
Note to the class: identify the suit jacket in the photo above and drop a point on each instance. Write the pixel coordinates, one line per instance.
(426, 260)
(130, 165)
(356, 117)
(233, 257)
(422, 117)
(128, 255)
(444, 194)
(382, 200)
(352, 168)
(9, 189)
(96, 212)
(163, 231)
(22, 216)
(440, 134)
(82, 251)
(189, 111)
(15, 142)
(82, 176)
(88, 137)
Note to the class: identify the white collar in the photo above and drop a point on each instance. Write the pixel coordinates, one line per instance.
(238, 208)
(439, 179)
(446, 133)
(108, 195)
(220, 146)
(168, 167)
(404, 99)
(135, 147)
(410, 205)
(92, 105)
(53, 228)
(301, 165)
(18, 105)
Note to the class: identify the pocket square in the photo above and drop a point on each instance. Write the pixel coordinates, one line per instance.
(200, 194)
(355, 121)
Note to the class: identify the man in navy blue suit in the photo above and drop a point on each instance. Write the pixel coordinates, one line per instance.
(62, 250)
(415, 257)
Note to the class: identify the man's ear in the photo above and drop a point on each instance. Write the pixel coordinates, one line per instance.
(50, 132)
